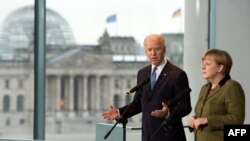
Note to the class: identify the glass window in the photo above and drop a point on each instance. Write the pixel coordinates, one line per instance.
(91, 48)
(116, 100)
(8, 122)
(17, 63)
(117, 84)
(7, 84)
(6, 103)
(20, 103)
(128, 99)
(129, 83)
(20, 84)
(22, 121)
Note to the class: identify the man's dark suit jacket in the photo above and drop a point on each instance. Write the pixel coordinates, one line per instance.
(171, 82)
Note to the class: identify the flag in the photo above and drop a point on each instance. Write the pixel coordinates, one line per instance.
(176, 13)
(111, 18)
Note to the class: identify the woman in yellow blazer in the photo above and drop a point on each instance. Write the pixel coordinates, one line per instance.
(221, 100)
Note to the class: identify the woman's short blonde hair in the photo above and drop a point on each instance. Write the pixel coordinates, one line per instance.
(221, 57)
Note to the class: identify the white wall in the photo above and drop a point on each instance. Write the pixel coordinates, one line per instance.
(232, 34)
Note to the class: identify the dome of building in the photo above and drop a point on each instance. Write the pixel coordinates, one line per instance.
(17, 30)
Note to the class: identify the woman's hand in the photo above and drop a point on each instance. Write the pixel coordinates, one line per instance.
(196, 123)
(199, 122)
(191, 122)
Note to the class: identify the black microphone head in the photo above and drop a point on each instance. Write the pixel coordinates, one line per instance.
(128, 93)
(188, 90)
(140, 84)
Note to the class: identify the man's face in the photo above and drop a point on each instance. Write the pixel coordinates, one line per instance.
(155, 51)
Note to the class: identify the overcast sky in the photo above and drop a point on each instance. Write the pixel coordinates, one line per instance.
(87, 18)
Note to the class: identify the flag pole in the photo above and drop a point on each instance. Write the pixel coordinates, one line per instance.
(113, 19)
(116, 27)
(177, 15)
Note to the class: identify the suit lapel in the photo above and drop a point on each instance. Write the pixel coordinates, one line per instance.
(147, 89)
(213, 92)
(218, 87)
(162, 77)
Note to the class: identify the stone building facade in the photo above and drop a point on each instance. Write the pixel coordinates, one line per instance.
(81, 80)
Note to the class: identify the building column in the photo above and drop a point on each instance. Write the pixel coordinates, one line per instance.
(50, 95)
(97, 95)
(71, 96)
(85, 95)
(123, 92)
(111, 94)
(59, 102)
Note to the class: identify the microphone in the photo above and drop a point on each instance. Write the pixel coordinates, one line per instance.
(138, 86)
(177, 98)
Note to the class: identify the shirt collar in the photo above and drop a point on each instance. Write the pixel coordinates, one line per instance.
(161, 66)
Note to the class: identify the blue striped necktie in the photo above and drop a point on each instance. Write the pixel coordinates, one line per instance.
(153, 77)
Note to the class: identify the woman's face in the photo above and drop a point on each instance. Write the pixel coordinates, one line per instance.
(210, 70)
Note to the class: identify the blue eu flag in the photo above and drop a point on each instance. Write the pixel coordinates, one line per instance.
(111, 18)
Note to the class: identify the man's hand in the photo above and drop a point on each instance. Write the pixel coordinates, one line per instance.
(111, 114)
(162, 113)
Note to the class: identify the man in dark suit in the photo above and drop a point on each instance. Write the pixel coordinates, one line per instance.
(156, 99)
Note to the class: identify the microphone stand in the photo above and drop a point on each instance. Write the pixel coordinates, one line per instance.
(122, 120)
(119, 120)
